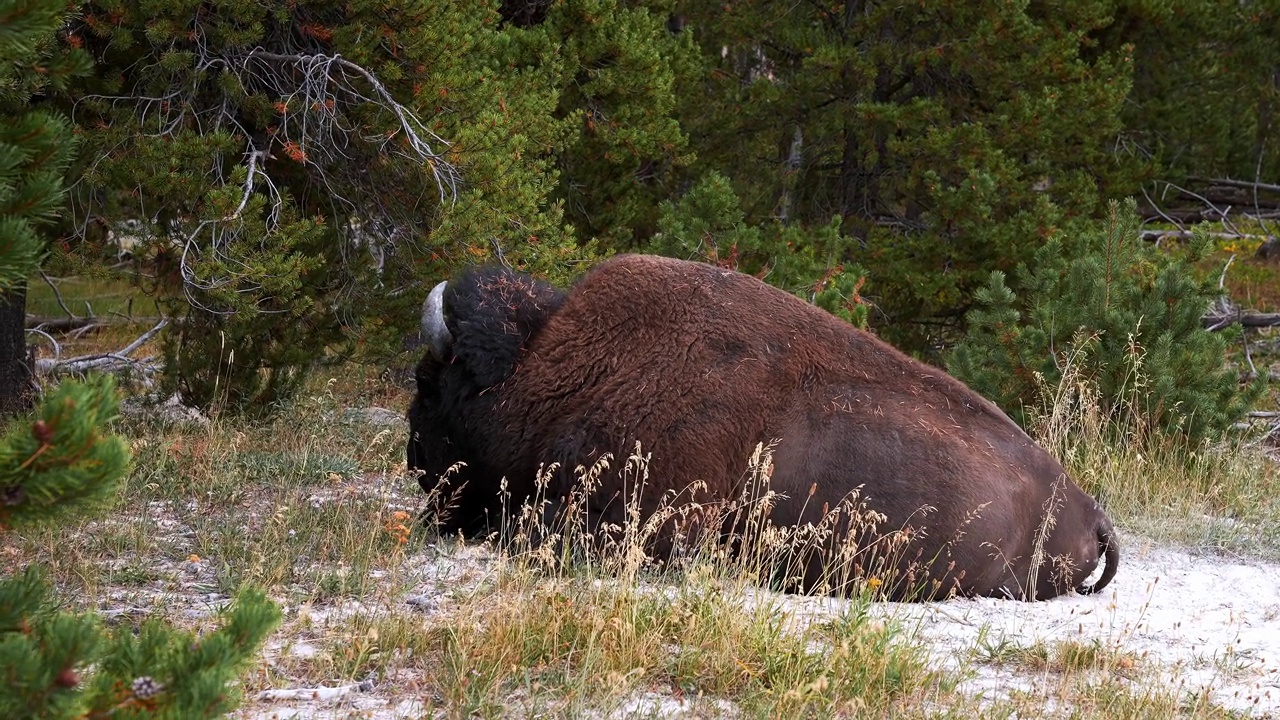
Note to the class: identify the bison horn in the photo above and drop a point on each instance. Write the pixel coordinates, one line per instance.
(434, 330)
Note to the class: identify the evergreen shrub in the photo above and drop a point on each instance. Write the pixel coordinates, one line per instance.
(1128, 315)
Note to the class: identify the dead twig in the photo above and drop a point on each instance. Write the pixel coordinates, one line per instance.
(320, 693)
(1249, 319)
(57, 349)
(57, 295)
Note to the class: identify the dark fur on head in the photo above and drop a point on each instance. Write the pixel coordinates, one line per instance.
(493, 313)
(700, 364)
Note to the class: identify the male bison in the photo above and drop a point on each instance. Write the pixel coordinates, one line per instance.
(700, 365)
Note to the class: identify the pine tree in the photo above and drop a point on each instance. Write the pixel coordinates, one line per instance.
(950, 138)
(617, 95)
(35, 147)
(1205, 99)
(709, 224)
(57, 664)
(1126, 315)
(316, 163)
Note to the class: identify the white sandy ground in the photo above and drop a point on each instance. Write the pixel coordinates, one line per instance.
(1209, 624)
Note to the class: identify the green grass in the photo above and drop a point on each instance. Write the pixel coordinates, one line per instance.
(104, 297)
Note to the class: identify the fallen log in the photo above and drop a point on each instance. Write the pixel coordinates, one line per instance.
(104, 362)
(1245, 184)
(59, 324)
(1248, 319)
(1150, 235)
(69, 324)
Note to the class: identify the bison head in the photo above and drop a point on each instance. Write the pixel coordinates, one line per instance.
(475, 328)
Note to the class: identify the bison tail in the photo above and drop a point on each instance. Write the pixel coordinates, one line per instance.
(1111, 556)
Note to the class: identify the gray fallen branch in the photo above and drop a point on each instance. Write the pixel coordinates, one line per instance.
(59, 324)
(1243, 184)
(111, 361)
(71, 324)
(1155, 235)
(1271, 375)
(320, 693)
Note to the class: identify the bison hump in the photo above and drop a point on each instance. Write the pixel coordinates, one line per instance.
(493, 314)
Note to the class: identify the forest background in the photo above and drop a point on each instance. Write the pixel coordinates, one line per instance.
(286, 180)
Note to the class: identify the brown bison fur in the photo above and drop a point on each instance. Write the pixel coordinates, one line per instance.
(701, 364)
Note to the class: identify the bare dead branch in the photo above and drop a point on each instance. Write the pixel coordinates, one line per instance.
(318, 693)
(1251, 185)
(1222, 279)
(1224, 313)
(108, 362)
(58, 324)
(254, 156)
(145, 337)
(1155, 206)
(1257, 206)
(1222, 214)
(497, 253)
(57, 349)
(317, 96)
(1213, 200)
(57, 295)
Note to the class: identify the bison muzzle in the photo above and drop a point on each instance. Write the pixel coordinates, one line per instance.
(701, 365)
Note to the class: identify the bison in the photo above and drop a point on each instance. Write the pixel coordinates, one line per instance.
(701, 365)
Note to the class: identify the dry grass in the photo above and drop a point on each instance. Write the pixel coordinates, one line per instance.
(1223, 497)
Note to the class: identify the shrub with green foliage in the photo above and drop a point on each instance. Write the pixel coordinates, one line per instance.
(53, 663)
(709, 224)
(35, 148)
(312, 165)
(253, 325)
(1126, 314)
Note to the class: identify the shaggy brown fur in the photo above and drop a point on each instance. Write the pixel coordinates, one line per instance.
(701, 364)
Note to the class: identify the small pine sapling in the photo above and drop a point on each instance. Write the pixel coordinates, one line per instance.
(1129, 318)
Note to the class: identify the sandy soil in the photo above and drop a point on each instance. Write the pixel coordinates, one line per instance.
(1209, 623)
(1206, 624)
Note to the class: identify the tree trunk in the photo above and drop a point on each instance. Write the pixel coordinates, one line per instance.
(15, 364)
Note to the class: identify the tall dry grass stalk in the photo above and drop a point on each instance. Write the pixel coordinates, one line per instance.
(576, 608)
(845, 550)
(1221, 495)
